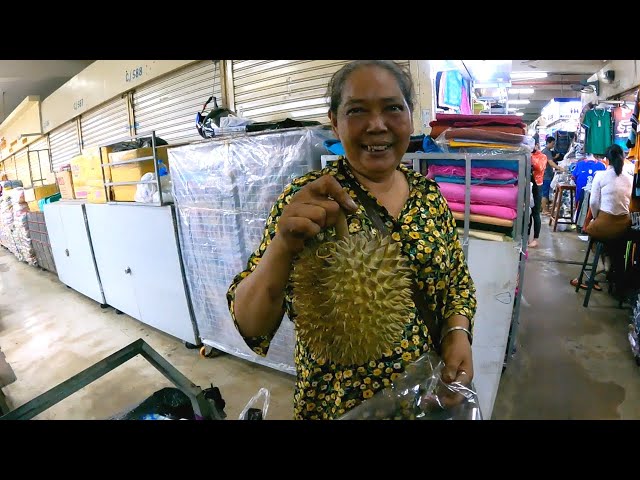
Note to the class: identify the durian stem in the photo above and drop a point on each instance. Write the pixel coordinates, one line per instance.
(342, 228)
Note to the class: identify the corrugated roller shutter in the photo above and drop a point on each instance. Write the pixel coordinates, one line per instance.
(169, 105)
(10, 168)
(39, 159)
(64, 144)
(22, 167)
(106, 124)
(277, 89)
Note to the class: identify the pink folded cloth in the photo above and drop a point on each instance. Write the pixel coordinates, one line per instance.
(476, 172)
(504, 196)
(487, 210)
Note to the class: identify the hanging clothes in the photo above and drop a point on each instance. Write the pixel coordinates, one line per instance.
(599, 135)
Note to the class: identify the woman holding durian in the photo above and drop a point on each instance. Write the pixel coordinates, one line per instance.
(363, 256)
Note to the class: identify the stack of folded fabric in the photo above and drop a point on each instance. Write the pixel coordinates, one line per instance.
(490, 123)
(494, 184)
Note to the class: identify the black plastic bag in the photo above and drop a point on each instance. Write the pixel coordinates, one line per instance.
(142, 142)
(173, 404)
(280, 124)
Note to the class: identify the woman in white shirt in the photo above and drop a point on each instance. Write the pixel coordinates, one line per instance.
(610, 197)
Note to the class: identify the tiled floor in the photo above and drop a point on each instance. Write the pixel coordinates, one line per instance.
(49, 333)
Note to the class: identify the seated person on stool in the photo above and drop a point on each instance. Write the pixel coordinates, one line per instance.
(609, 203)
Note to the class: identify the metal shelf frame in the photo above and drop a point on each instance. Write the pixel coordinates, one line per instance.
(521, 236)
(154, 157)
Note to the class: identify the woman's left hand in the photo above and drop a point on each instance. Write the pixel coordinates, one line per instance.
(458, 364)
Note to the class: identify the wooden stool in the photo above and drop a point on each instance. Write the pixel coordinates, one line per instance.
(556, 208)
(591, 269)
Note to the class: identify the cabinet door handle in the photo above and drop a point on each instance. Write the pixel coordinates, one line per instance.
(66, 251)
(128, 271)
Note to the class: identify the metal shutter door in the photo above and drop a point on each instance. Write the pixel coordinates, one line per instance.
(106, 124)
(64, 144)
(169, 105)
(10, 168)
(277, 89)
(40, 160)
(22, 167)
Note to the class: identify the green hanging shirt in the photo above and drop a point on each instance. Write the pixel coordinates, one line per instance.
(599, 135)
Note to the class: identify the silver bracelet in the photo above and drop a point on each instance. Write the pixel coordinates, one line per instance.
(452, 329)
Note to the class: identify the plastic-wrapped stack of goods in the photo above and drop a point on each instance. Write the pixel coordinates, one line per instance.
(634, 329)
(40, 240)
(6, 221)
(494, 183)
(14, 221)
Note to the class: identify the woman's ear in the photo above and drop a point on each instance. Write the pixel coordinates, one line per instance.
(334, 123)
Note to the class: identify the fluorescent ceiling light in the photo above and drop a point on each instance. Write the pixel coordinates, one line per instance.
(519, 102)
(525, 91)
(528, 75)
(520, 114)
(512, 109)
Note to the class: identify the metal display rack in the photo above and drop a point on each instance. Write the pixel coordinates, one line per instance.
(521, 226)
(202, 406)
(153, 156)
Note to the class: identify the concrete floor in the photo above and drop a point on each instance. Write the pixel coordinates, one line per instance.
(571, 362)
(49, 333)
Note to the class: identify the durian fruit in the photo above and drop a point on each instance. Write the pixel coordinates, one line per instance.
(351, 296)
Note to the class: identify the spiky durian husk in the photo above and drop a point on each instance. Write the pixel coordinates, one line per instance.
(352, 297)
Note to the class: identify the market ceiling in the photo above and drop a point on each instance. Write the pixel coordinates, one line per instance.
(541, 79)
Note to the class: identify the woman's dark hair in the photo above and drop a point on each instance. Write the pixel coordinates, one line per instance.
(336, 84)
(616, 157)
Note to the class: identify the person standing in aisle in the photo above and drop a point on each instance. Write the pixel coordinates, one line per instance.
(551, 168)
(538, 165)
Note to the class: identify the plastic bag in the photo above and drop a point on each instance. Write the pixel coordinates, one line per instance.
(148, 192)
(474, 140)
(251, 412)
(142, 142)
(420, 394)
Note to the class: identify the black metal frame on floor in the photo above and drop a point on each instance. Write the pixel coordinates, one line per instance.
(202, 407)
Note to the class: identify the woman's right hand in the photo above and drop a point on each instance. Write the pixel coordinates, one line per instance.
(312, 209)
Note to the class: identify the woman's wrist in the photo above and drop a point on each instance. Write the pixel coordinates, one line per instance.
(457, 321)
(457, 330)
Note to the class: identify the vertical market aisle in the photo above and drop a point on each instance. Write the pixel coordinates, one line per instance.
(571, 362)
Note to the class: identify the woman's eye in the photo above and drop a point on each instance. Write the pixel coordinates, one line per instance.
(396, 108)
(355, 110)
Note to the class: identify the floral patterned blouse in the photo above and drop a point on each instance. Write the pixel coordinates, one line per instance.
(427, 230)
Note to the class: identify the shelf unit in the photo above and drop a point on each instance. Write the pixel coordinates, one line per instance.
(153, 156)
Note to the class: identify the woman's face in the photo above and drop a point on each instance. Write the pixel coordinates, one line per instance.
(373, 121)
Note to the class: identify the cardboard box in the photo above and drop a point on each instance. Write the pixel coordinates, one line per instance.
(65, 184)
(95, 194)
(95, 157)
(36, 193)
(33, 206)
(124, 193)
(132, 172)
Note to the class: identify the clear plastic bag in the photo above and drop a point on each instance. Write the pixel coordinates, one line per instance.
(420, 394)
(474, 140)
(251, 412)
